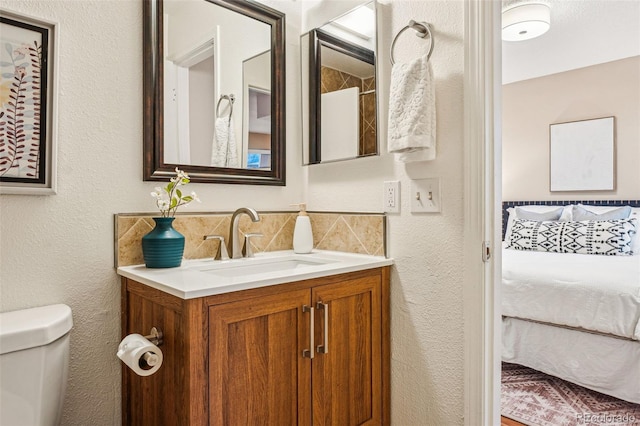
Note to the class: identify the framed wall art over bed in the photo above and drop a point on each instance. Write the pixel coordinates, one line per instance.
(582, 155)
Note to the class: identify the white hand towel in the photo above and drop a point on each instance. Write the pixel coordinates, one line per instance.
(224, 152)
(412, 111)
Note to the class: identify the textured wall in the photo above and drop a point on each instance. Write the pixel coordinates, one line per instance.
(530, 106)
(59, 249)
(427, 322)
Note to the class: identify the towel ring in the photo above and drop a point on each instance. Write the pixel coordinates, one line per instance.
(231, 98)
(422, 29)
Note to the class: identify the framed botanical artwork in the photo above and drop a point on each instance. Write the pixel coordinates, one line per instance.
(27, 104)
(582, 155)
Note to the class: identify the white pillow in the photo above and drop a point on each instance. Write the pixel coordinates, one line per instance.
(551, 215)
(582, 213)
(566, 214)
(598, 209)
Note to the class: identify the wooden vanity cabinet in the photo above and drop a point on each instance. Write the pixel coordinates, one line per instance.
(243, 358)
(256, 371)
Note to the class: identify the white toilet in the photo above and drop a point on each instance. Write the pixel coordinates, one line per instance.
(34, 361)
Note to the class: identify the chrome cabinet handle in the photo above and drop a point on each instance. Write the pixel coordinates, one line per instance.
(309, 353)
(324, 349)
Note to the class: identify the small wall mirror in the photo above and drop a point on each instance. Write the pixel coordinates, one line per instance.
(339, 88)
(214, 91)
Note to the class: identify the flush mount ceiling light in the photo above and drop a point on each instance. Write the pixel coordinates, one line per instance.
(360, 22)
(524, 21)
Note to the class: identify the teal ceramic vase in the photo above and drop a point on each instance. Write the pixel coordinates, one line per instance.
(163, 246)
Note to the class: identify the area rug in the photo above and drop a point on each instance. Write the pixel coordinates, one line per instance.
(537, 399)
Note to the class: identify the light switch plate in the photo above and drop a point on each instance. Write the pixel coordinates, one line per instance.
(425, 196)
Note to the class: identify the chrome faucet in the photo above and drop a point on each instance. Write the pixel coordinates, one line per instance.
(235, 247)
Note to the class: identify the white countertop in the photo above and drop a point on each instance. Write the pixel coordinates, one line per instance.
(199, 278)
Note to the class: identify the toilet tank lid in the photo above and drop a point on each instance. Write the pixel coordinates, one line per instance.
(33, 327)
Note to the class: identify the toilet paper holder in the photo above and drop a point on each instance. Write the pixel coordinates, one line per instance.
(155, 336)
(142, 353)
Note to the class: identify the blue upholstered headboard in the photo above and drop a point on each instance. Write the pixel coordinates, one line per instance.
(612, 203)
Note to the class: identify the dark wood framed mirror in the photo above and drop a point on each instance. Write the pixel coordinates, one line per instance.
(339, 101)
(263, 166)
(344, 55)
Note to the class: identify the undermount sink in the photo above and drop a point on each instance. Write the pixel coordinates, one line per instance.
(206, 277)
(245, 267)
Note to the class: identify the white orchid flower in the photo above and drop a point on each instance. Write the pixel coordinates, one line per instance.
(165, 195)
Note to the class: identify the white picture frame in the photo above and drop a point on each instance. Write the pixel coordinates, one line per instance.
(582, 155)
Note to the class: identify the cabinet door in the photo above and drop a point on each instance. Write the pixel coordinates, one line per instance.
(257, 374)
(347, 378)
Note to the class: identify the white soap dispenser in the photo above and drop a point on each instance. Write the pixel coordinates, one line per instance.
(302, 235)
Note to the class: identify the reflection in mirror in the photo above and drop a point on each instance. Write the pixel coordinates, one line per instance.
(339, 88)
(214, 91)
(256, 135)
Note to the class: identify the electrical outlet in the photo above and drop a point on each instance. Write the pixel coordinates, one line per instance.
(425, 196)
(391, 197)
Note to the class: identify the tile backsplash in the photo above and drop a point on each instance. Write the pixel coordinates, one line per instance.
(363, 233)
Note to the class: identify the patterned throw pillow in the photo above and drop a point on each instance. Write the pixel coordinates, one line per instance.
(606, 237)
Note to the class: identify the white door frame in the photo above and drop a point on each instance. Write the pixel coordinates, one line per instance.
(482, 198)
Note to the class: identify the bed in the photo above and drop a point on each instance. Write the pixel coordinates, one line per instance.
(573, 315)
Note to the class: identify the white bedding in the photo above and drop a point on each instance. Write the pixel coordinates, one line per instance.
(599, 293)
(609, 365)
